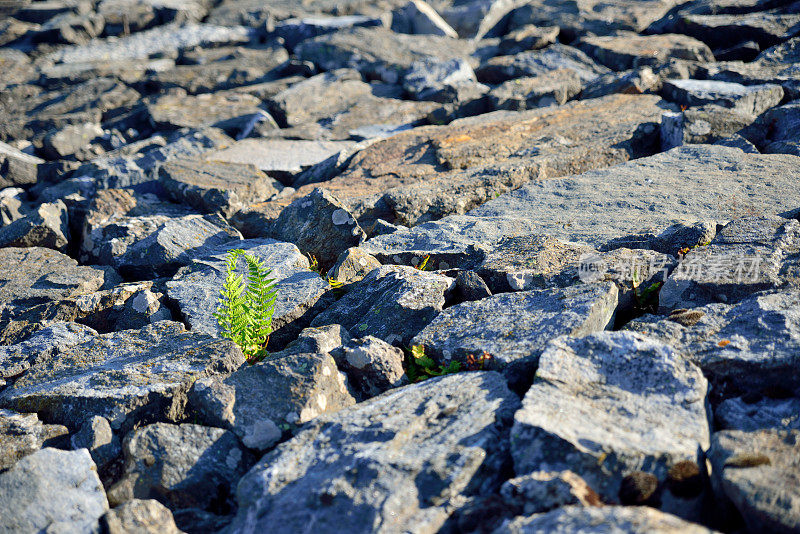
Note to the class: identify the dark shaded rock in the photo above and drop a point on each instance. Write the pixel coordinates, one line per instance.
(17, 168)
(96, 436)
(633, 82)
(53, 489)
(750, 100)
(705, 125)
(230, 112)
(542, 491)
(260, 401)
(639, 488)
(352, 265)
(757, 472)
(633, 388)
(372, 365)
(392, 303)
(319, 225)
(777, 131)
(470, 286)
(24, 434)
(419, 18)
(740, 414)
(718, 31)
(183, 466)
(539, 62)
(550, 89)
(79, 141)
(296, 30)
(529, 37)
(46, 226)
(214, 186)
(435, 440)
(127, 377)
(431, 79)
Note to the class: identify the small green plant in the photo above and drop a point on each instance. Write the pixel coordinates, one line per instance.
(647, 298)
(245, 309)
(421, 367)
(313, 264)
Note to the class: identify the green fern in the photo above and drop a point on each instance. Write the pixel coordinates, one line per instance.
(244, 310)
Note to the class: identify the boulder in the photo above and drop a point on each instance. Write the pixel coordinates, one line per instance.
(141, 516)
(538, 62)
(17, 168)
(391, 303)
(551, 89)
(46, 226)
(53, 489)
(646, 401)
(628, 50)
(96, 436)
(750, 100)
(372, 366)
(748, 414)
(352, 265)
(230, 112)
(24, 434)
(435, 441)
(542, 491)
(296, 30)
(259, 402)
(419, 18)
(128, 377)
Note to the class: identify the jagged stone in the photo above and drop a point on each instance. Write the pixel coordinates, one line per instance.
(140, 516)
(419, 18)
(550, 89)
(260, 401)
(743, 414)
(296, 30)
(647, 404)
(632, 82)
(542, 491)
(372, 365)
(750, 100)
(777, 131)
(184, 466)
(47, 226)
(392, 303)
(706, 125)
(431, 79)
(53, 489)
(17, 168)
(539, 62)
(96, 436)
(126, 377)
(24, 434)
(352, 265)
(230, 112)
(628, 50)
(529, 37)
(758, 473)
(449, 430)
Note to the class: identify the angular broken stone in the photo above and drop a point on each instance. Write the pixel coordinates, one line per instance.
(96, 436)
(703, 125)
(539, 62)
(631, 519)
(23, 434)
(434, 440)
(185, 466)
(53, 489)
(174, 244)
(352, 265)
(372, 365)
(550, 89)
(751, 100)
(145, 516)
(259, 401)
(301, 292)
(392, 303)
(646, 401)
(628, 50)
(430, 79)
(47, 226)
(295, 30)
(729, 343)
(529, 37)
(746, 414)
(777, 131)
(215, 186)
(748, 255)
(419, 18)
(757, 472)
(126, 377)
(516, 327)
(319, 225)
(632, 82)
(542, 491)
(228, 112)
(17, 168)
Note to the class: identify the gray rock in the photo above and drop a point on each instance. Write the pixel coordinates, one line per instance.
(140, 517)
(17, 168)
(392, 303)
(79, 141)
(542, 491)
(738, 414)
(24, 434)
(372, 365)
(213, 186)
(672, 240)
(53, 490)
(431, 79)
(301, 292)
(296, 30)
(324, 339)
(628, 50)
(549, 89)
(751, 100)
(34, 280)
(646, 402)
(723, 30)
(319, 225)
(777, 130)
(474, 19)
(126, 16)
(165, 39)
(612, 519)
(470, 286)
(418, 17)
(379, 52)
(11, 205)
(230, 112)
(508, 331)
(96, 436)
(352, 265)
(70, 28)
(127, 377)
(757, 472)
(122, 169)
(726, 183)
(434, 440)
(737, 141)
(529, 37)
(183, 466)
(748, 255)
(633, 82)
(46, 226)
(747, 347)
(539, 62)
(174, 244)
(705, 125)
(259, 401)
(278, 157)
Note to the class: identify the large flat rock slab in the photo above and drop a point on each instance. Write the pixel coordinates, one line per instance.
(399, 463)
(126, 377)
(646, 404)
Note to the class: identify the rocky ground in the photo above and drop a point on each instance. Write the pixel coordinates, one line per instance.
(588, 209)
